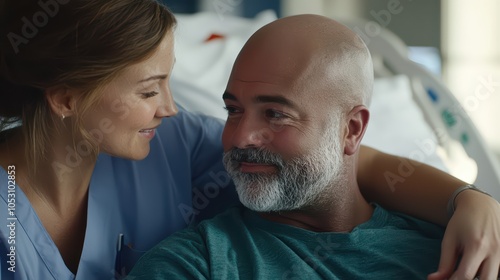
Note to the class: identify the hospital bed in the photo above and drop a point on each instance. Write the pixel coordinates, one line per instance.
(413, 114)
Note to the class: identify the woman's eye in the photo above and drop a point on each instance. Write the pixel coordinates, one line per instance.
(149, 94)
(272, 114)
(231, 110)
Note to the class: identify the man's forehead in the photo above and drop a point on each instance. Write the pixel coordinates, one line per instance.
(267, 75)
(262, 82)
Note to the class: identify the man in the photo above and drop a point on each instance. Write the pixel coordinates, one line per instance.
(297, 105)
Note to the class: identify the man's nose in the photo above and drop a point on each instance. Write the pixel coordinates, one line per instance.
(250, 133)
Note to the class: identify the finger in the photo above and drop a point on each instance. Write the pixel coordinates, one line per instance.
(469, 265)
(447, 261)
(489, 270)
(438, 276)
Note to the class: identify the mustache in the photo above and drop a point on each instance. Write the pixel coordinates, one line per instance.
(255, 155)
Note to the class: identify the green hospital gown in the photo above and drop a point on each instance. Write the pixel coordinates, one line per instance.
(238, 244)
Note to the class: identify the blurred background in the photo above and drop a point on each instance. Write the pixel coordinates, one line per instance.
(457, 40)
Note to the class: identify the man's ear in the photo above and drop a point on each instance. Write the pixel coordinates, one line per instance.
(357, 121)
(62, 100)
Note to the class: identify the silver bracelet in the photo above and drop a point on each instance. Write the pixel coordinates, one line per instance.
(451, 202)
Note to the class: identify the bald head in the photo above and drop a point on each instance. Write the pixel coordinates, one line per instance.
(313, 54)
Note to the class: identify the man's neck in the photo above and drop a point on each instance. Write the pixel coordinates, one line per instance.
(335, 213)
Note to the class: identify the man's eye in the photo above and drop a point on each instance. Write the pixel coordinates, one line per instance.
(273, 114)
(149, 94)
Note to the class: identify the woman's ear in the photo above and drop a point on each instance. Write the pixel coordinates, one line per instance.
(357, 121)
(61, 100)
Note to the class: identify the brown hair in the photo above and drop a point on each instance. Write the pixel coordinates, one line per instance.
(79, 44)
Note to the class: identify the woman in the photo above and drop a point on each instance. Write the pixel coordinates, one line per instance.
(89, 80)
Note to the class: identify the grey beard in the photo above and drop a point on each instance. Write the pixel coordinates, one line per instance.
(297, 183)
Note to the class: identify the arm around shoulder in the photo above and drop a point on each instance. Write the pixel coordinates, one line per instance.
(405, 185)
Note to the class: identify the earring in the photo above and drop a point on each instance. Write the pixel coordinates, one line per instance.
(63, 116)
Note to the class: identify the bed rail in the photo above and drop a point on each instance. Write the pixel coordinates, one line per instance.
(442, 110)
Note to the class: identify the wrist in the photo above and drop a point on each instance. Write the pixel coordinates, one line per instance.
(464, 194)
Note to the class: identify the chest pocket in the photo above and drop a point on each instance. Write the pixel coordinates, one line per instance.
(126, 257)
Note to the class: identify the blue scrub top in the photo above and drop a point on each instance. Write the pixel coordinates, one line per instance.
(132, 205)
